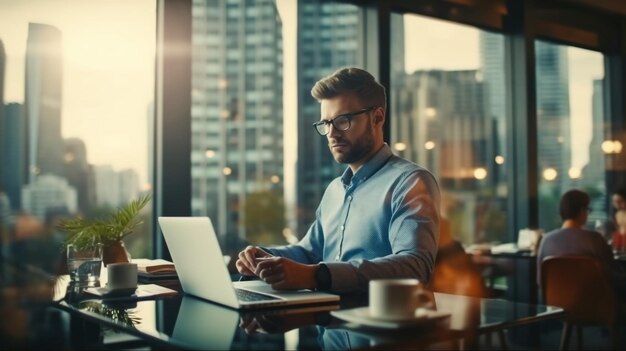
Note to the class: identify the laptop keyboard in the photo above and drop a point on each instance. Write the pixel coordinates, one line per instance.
(249, 296)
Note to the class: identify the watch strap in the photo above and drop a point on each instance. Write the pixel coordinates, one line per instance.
(322, 277)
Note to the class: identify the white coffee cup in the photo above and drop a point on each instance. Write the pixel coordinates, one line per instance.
(396, 298)
(122, 276)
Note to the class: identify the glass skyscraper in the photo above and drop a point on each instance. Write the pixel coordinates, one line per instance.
(44, 144)
(329, 37)
(237, 116)
(553, 139)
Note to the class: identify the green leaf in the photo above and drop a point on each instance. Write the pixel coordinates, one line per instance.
(85, 233)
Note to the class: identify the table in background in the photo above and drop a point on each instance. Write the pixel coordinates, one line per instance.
(520, 270)
(187, 322)
(518, 267)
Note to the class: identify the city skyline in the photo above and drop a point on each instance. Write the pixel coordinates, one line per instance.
(98, 70)
(79, 30)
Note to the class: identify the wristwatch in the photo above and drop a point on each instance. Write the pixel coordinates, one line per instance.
(322, 277)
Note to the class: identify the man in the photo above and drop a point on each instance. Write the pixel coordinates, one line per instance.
(572, 239)
(380, 219)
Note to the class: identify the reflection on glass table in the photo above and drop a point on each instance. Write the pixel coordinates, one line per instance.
(119, 312)
(187, 322)
(204, 325)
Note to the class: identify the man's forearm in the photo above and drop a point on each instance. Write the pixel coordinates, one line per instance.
(354, 276)
(294, 252)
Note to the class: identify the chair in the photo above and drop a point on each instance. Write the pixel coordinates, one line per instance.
(455, 273)
(581, 286)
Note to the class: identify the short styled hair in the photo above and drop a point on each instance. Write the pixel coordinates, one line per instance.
(572, 203)
(351, 80)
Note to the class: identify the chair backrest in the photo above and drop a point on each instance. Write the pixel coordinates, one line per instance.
(580, 285)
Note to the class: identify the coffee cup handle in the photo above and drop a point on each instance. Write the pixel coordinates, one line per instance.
(425, 299)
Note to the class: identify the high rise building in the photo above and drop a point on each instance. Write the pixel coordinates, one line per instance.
(79, 172)
(593, 174)
(44, 144)
(49, 194)
(12, 137)
(492, 73)
(330, 37)
(115, 189)
(3, 59)
(107, 186)
(440, 118)
(554, 142)
(150, 147)
(237, 109)
(553, 138)
(128, 186)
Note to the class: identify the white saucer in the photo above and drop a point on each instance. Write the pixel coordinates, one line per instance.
(361, 316)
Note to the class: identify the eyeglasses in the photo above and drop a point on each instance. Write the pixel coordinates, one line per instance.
(341, 122)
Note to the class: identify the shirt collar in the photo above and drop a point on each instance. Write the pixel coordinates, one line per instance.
(367, 169)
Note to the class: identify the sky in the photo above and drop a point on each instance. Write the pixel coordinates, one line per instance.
(108, 83)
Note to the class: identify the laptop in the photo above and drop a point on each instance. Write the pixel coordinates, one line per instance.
(199, 262)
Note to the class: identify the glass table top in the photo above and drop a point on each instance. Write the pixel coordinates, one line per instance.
(188, 322)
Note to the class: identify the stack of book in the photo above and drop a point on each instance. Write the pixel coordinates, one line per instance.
(148, 269)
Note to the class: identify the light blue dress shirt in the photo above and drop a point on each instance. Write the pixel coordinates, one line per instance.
(382, 222)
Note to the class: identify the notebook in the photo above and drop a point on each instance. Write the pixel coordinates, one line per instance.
(196, 252)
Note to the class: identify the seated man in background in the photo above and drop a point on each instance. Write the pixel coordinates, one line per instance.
(380, 219)
(572, 239)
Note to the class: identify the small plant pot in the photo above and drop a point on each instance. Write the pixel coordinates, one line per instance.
(115, 253)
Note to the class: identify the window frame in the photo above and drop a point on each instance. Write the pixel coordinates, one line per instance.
(575, 23)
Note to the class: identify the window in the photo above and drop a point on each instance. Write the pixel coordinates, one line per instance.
(78, 106)
(265, 115)
(464, 102)
(448, 108)
(573, 129)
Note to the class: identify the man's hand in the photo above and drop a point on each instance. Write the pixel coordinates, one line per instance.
(285, 274)
(247, 261)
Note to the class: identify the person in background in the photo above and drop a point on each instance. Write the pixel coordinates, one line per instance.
(572, 239)
(609, 226)
(618, 240)
(618, 199)
(379, 219)
(618, 202)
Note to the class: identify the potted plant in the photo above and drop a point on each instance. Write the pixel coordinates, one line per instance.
(86, 233)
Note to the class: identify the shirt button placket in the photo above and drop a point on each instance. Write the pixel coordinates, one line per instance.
(343, 229)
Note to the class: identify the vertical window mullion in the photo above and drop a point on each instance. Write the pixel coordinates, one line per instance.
(522, 118)
(172, 178)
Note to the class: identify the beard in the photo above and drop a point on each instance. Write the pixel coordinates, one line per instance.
(354, 151)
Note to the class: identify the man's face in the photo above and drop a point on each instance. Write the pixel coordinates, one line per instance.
(352, 146)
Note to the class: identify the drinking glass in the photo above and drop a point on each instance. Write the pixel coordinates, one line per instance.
(84, 264)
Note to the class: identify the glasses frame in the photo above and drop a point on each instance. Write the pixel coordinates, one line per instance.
(348, 116)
